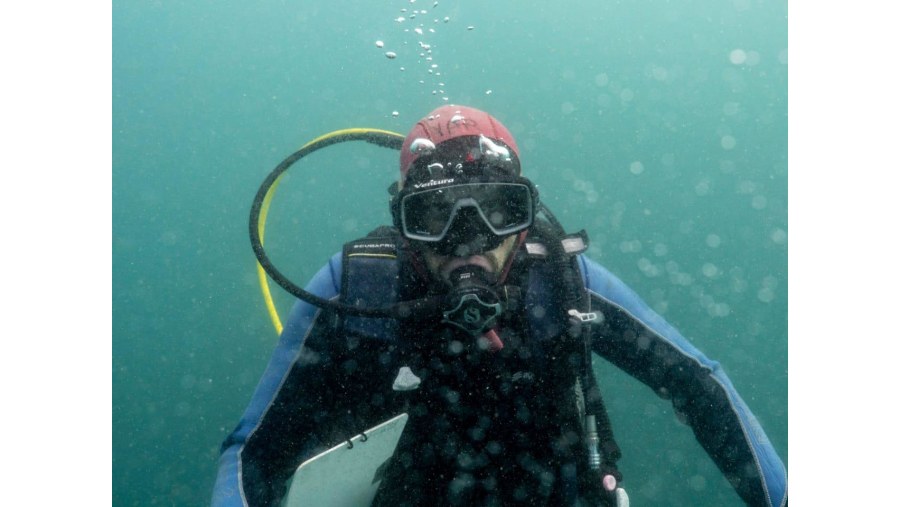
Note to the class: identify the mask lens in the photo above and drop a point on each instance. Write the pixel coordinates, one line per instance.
(505, 207)
(427, 213)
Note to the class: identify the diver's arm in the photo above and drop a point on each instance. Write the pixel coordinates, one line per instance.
(639, 341)
(279, 424)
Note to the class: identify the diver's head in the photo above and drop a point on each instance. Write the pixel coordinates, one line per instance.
(462, 199)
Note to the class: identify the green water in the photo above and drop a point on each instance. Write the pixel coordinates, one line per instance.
(659, 127)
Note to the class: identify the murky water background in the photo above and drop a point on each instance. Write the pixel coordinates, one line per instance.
(659, 127)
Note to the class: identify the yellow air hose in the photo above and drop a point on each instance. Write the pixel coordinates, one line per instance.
(378, 137)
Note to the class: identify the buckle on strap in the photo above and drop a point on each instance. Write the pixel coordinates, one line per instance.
(583, 317)
(574, 244)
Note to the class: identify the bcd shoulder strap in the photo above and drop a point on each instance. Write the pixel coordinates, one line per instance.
(369, 279)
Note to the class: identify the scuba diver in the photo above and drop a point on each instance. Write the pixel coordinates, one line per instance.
(477, 315)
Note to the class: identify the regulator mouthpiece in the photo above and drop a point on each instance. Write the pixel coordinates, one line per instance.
(473, 304)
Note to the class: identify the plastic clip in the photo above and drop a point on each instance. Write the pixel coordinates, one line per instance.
(583, 317)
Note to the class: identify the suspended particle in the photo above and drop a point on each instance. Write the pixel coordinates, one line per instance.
(402, 69)
(418, 31)
(431, 30)
(390, 54)
(446, 19)
(379, 44)
(395, 114)
(435, 5)
(488, 92)
(401, 19)
(470, 27)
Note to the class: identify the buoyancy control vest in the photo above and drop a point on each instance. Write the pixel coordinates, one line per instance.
(541, 386)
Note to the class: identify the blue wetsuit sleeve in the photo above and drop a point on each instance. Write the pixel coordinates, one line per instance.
(238, 484)
(639, 341)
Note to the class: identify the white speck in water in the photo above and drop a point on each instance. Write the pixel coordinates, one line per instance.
(738, 56)
(783, 56)
(379, 44)
(660, 249)
(395, 114)
(697, 482)
(401, 19)
(488, 92)
(702, 187)
(391, 55)
(470, 27)
(779, 236)
(418, 31)
(752, 58)
(446, 19)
